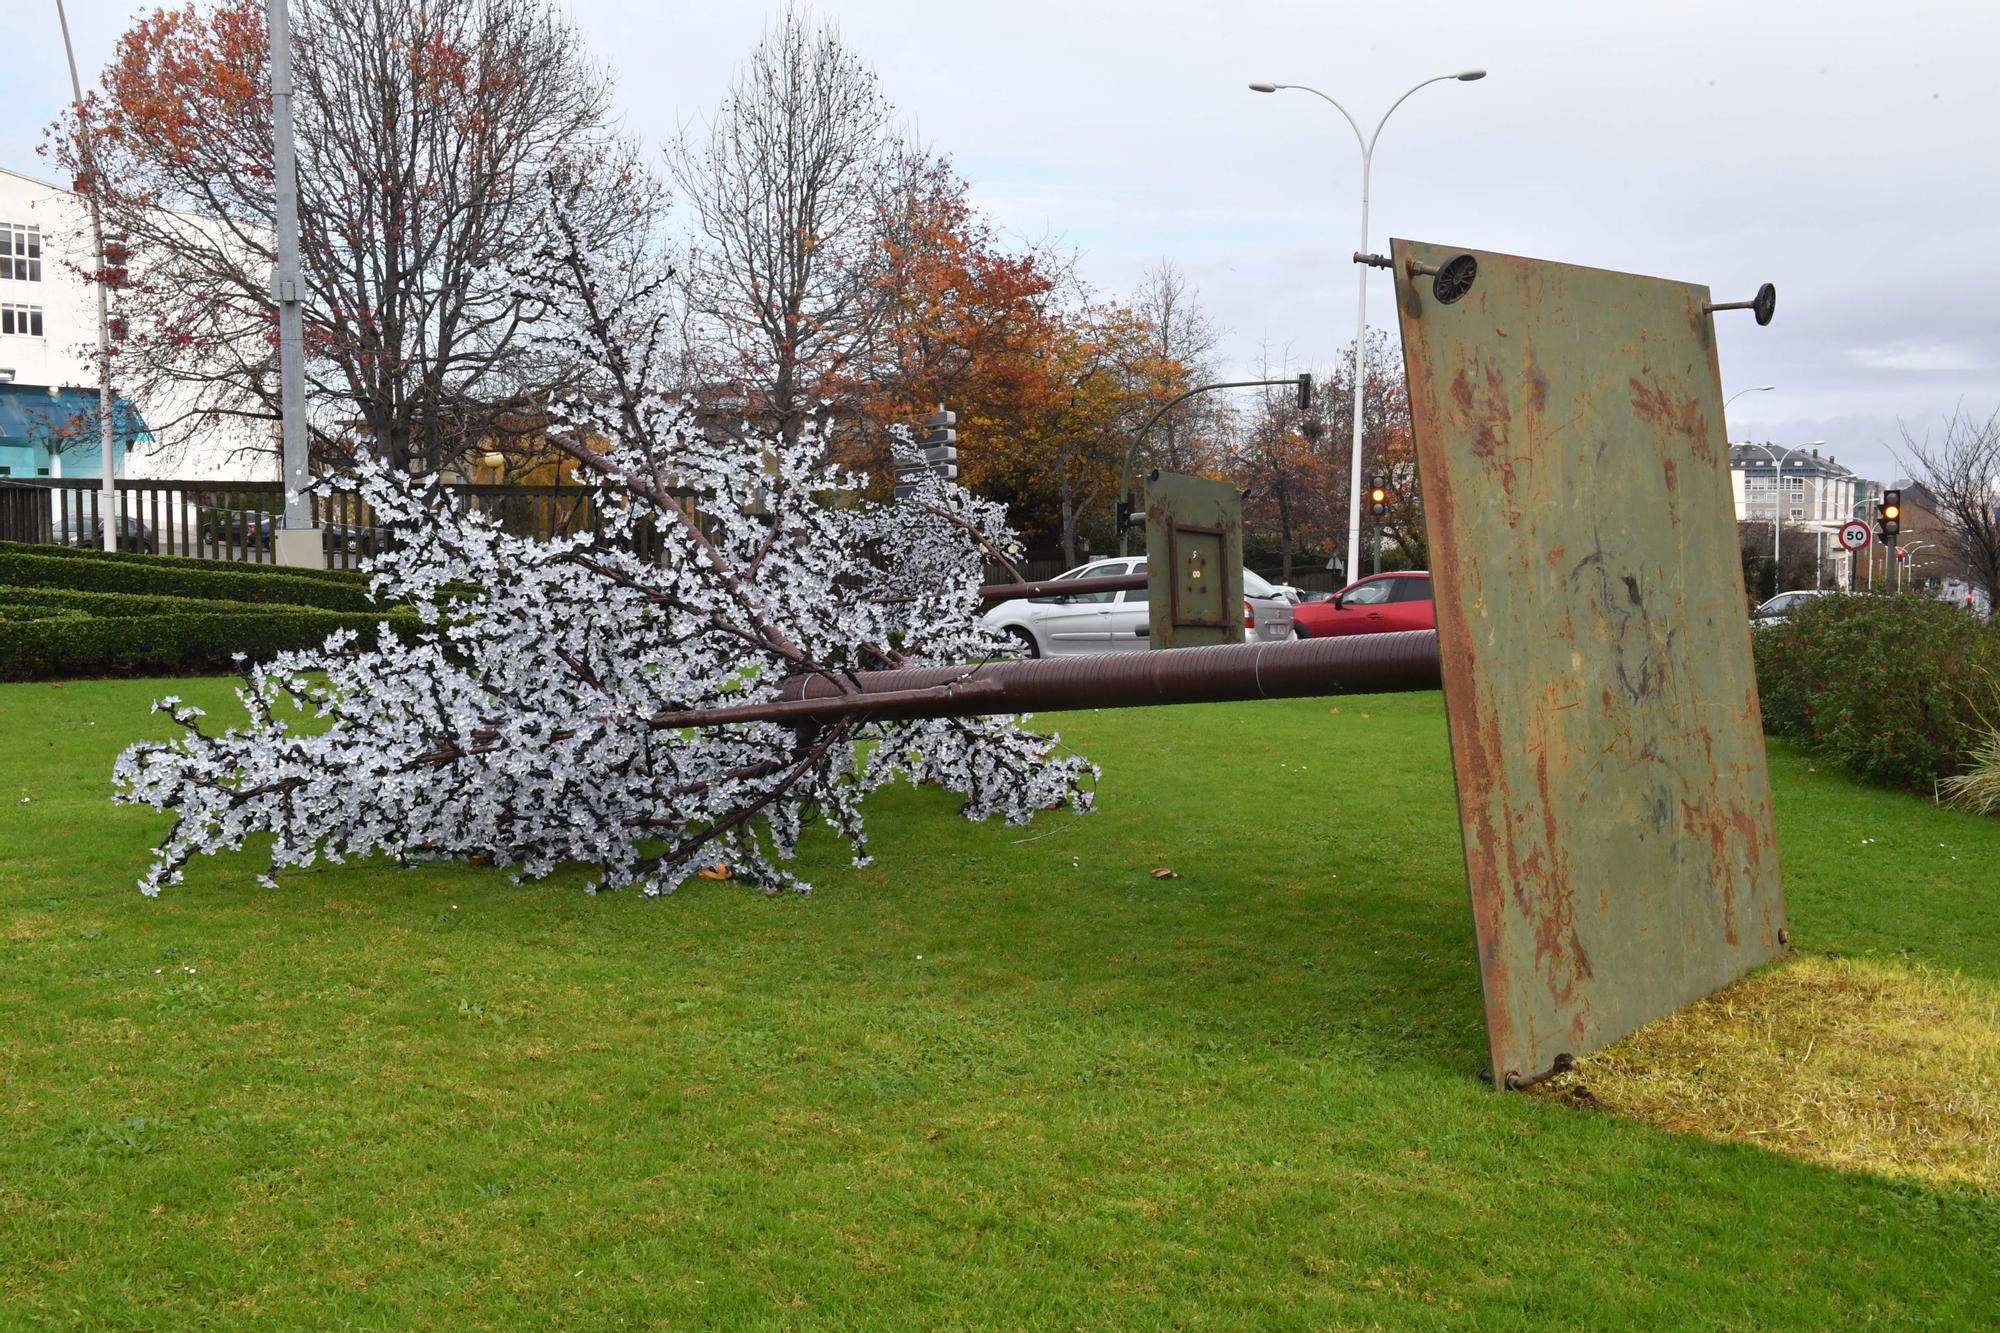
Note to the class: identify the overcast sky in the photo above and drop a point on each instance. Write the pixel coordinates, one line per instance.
(1849, 153)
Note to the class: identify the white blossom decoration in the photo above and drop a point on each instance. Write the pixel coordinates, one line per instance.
(538, 715)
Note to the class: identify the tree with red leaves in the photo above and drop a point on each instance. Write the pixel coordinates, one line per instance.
(425, 133)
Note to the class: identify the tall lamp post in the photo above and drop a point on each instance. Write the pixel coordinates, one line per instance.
(1361, 302)
(1755, 388)
(106, 426)
(297, 542)
(1906, 563)
(1777, 493)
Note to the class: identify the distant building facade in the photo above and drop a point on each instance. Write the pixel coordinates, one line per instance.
(1798, 486)
(48, 322)
(48, 356)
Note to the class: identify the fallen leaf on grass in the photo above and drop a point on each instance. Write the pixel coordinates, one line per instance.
(1162, 872)
(720, 871)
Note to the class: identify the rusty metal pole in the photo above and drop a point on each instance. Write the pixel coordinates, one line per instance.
(1290, 669)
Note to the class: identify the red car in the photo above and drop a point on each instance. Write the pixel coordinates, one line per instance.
(1374, 605)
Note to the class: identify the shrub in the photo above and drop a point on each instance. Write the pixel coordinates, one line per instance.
(35, 603)
(179, 576)
(1978, 788)
(1896, 689)
(70, 642)
(180, 562)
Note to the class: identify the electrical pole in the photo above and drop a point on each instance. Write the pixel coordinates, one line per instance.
(297, 543)
(106, 425)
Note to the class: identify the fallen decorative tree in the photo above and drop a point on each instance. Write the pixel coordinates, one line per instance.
(551, 708)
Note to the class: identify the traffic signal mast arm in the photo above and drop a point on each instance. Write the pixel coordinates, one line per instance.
(1305, 388)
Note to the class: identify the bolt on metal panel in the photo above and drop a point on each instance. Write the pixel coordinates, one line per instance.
(1605, 731)
(1194, 566)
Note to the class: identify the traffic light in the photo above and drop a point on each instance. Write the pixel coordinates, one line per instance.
(1889, 513)
(1378, 495)
(1124, 515)
(937, 452)
(1305, 392)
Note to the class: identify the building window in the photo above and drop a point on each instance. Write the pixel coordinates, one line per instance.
(21, 319)
(20, 252)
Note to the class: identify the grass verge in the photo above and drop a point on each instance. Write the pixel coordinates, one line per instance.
(997, 1078)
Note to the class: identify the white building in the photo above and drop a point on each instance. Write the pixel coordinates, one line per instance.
(48, 362)
(1804, 489)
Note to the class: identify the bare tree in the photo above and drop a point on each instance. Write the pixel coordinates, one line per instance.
(425, 134)
(1181, 341)
(1963, 472)
(1281, 457)
(786, 189)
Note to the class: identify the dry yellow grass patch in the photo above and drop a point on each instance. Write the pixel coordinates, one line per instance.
(1850, 1063)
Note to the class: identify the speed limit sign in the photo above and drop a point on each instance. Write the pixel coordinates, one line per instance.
(1853, 535)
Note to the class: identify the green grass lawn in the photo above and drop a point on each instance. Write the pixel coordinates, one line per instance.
(994, 1079)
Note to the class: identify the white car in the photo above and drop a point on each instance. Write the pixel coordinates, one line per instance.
(1116, 622)
(1782, 606)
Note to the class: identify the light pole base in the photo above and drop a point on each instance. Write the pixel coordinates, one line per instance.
(300, 548)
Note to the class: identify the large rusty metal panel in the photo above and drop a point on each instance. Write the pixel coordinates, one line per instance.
(1194, 561)
(1603, 712)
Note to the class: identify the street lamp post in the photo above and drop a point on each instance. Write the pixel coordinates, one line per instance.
(297, 543)
(106, 422)
(1777, 494)
(1777, 503)
(1755, 388)
(1361, 302)
(1906, 563)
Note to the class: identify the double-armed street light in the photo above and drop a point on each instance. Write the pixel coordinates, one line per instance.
(1777, 486)
(1367, 143)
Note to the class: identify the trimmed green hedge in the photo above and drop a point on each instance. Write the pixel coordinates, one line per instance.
(72, 643)
(21, 613)
(1897, 689)
(66, 612)
(65, 641)
(174, 576)
(181, 562)
(33, 601)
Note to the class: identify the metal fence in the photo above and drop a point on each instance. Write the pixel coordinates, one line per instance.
(238, 520)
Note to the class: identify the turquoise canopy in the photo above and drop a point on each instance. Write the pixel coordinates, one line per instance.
(34, 416)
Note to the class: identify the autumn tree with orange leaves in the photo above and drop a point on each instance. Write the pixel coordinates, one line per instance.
(428, 135)
(962, 318)
(1295, 466)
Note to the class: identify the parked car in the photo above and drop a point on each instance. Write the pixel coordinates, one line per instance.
(1113, 622)
(1781, 606)
(1377, 604)
(89, 534)
(257, 530)
(1288, 592)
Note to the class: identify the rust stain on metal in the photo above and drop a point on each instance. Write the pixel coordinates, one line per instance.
(1592, 644)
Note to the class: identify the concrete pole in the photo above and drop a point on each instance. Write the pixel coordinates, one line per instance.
(298, 543)
(106, 424)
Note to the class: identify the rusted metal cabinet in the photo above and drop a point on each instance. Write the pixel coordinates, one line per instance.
(1194, 564)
